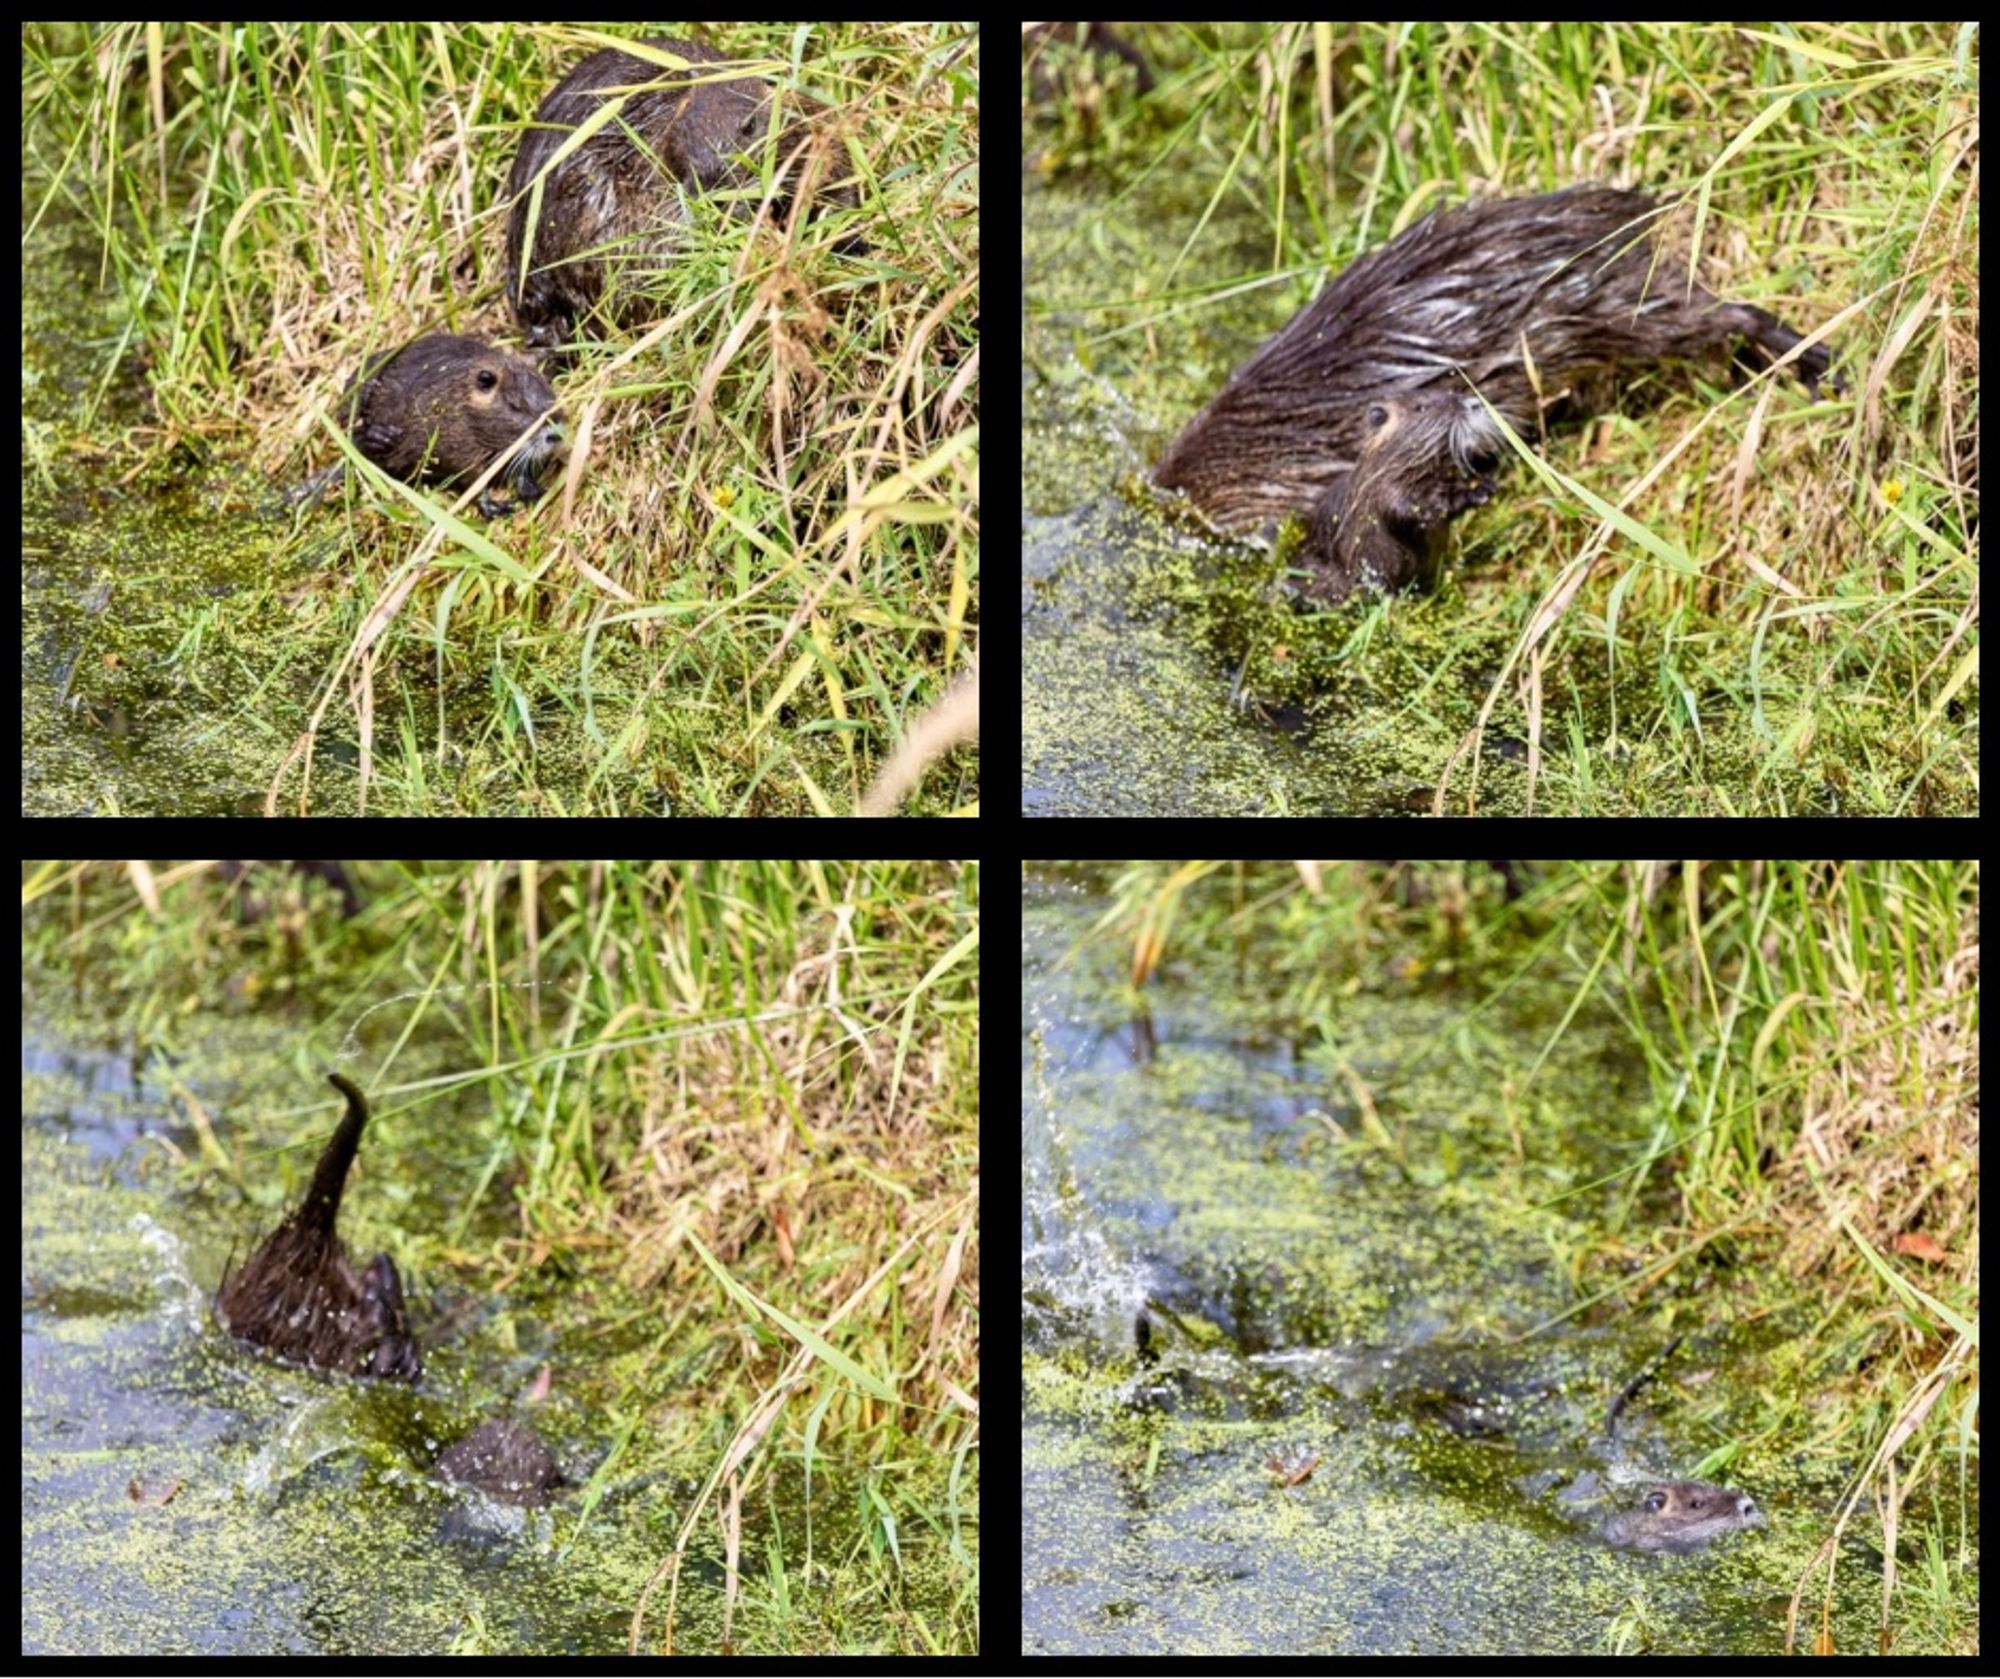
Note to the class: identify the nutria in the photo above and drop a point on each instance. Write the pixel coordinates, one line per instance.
(506, 1459)
(1681, 1516)
(254, 905)
(1425, 456)
(1103, 39)
(607, 216)
(300, 1295)
(441, 408)
(1677, 1516)
(1515, 299)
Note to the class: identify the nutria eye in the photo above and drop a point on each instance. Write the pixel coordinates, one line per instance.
(1378, 416)
(488, 378)
(1656, 1501)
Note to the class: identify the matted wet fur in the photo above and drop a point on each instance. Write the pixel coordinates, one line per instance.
(505, 1458)
(609, 215)
(1360, 414)
(300, 1294)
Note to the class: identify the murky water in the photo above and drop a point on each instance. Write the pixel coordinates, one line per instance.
(182, 1494)
(1349, 1437)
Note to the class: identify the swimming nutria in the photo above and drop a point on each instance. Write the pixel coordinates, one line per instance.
(608, 213)
(506, 1459)
(440, 409)
(1681, 1516)
(1675, 1516)
(1515, 298)
(300, 1295)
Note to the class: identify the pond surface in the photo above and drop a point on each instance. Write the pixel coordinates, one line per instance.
(182, 1494)
(1358, 1428)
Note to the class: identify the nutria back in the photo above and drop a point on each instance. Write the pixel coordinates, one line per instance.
(1503, 302)
(441, 408)
(608, 216)
(504, 1458)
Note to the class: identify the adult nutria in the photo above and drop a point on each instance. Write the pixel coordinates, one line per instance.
(300, 1295)
(608, 215)
(506, 1459)
(1359, 414)
(440, 409)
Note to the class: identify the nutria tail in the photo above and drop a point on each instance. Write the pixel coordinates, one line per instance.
(1653, 1367)
(322, 1202)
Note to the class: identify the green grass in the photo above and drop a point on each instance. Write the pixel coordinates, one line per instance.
(764, 556)
(1711, 599)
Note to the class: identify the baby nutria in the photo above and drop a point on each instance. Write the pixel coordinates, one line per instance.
(1681, 1516)
(1514, 298)
(607, 216)
(506, 1459)
(441, 408)
(300, 1295)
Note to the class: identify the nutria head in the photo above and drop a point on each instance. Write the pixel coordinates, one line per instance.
(440, 409)
(1682, 1516)
(1426, 456)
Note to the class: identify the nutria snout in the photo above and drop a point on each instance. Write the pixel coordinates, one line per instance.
(440, 409)
(300, 1294)
(506, 1459)
(1359, 414)
(608, 215)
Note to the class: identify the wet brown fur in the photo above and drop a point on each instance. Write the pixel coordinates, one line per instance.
(608, 215)
(440, 409)
(506, 1459)
(300, 1294)
(1515, 298)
